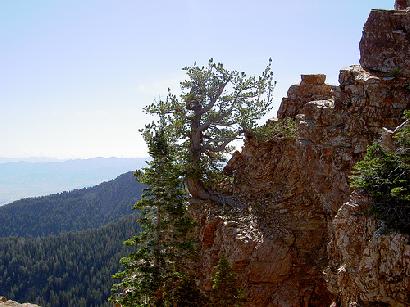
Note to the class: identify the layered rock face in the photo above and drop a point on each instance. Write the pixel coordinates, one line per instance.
(301, 240)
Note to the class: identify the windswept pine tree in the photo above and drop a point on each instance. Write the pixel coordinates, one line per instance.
(188, 146)
(217, 106)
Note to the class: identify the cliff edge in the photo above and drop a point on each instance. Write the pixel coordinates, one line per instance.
(303, 239)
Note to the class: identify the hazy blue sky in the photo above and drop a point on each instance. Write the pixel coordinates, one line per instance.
(75, 74)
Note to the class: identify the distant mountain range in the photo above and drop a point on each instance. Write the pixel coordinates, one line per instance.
(31, 159)
(71, 211)
(21, 179)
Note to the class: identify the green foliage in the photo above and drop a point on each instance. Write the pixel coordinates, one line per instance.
(71, 211)
(50, 265)
(402, 138)
(154, 273)
(188, 143)
(279, 129)
(181, 290)
(395, 72)
(385, 176)
(216, 107)
(71, 269)
(225, 291)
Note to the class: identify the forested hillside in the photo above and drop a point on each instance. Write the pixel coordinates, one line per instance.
(71, 269)
(71, 211)
(32, 178)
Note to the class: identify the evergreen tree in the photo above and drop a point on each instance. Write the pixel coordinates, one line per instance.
(225, 290)
(70, 269)
(155, 274)
(217, 106)
(188, 145)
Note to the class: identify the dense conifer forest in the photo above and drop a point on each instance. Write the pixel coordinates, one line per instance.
(62, 249)
(71, 269)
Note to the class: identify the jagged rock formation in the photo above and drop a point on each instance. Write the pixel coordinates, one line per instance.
(299, 243)
(311, 88)
(4, 302)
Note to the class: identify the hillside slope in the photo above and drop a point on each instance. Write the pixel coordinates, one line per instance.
(71, 211)
(35, 178)
(71, 269)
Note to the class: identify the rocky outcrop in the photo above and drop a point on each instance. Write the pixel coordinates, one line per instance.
(311, 88)
(385, 45)
(401, 4)
(278, 246)
(300, 220)
(4, 302)
(366, 265)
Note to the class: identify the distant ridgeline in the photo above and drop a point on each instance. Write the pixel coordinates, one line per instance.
(71, 211)
(32, 178)
(61, 249)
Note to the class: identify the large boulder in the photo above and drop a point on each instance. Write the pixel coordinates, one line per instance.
(385, 44)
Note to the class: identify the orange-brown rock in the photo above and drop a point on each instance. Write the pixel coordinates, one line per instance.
(385, 44)
(312, 87)
(295, 190)
(401, 4)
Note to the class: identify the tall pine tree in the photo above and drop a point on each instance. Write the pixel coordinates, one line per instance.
(155, 274)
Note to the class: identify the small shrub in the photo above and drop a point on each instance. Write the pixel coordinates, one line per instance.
(280, 129)
(385, 176)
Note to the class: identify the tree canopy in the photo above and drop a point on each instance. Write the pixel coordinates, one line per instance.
(68, 269)
(188, 143)
(216, 107)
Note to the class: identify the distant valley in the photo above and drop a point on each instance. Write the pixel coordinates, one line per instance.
(35, 177)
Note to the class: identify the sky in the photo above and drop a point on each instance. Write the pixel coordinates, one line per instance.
(75, 74)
